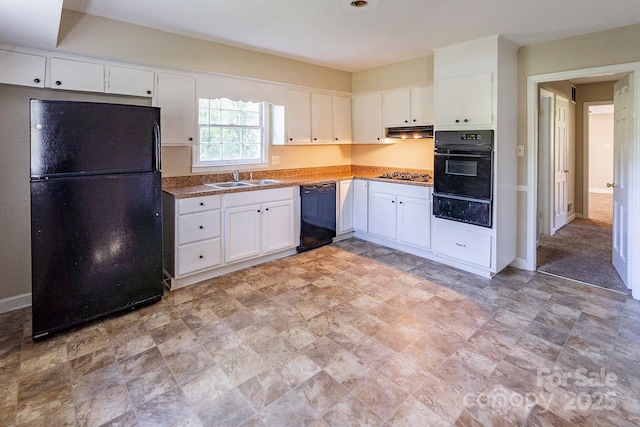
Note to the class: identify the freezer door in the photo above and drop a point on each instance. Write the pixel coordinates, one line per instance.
(96, 247)
(86, 138)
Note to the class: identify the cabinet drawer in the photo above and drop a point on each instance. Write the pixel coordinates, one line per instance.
(198, 256)
(198, 226)
(198, 204)
(465, 245)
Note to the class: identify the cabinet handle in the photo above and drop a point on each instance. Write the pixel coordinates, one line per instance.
(378, 139)
(336, 139)
(58, 82)
(201, 203)
(400, 202)
(201, 256)
(393, 201)
(457, 121)
(290, 139)
(36, 80)
(406, 121)
(148, 92)
(190, 139)
(466, 120)
(266, 209)
(414, 120)
(258, 210)
(461, 245)
(202, 227)
(315, 139)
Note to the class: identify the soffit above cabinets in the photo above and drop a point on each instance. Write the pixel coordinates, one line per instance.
(31, 23)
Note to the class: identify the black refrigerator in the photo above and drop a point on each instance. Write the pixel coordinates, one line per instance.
(96, 211)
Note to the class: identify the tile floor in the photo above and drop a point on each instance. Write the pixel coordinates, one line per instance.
(345, 335)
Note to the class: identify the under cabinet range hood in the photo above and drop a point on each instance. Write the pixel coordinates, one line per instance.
(410, 132)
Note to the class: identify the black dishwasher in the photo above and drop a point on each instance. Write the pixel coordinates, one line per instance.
(318, 211)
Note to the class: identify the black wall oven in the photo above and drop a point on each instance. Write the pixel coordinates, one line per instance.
(463, 176)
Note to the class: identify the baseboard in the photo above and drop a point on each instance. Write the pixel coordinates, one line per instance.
(14, 303)
(600, 191)
(520, 263)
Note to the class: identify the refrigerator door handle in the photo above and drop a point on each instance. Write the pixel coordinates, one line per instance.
(156, 138)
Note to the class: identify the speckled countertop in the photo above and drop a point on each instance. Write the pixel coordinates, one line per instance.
(194, 185)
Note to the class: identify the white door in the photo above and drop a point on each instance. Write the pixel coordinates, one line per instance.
(560, 167)
(242, 233)
(414, 221)
(382, 215)
(278, 226)
(623, 113)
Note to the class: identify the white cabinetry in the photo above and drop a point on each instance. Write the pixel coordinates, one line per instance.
(317, 118)
(191, 234)
(345, 206)
(77, 75)
(258, 223)
(462, 243)
(130, 81)
(341, 119)
(176, 97)
(360, 205)
(465, 101)
(22, 69)
(408, 107)
(401, 213)
(367, 119)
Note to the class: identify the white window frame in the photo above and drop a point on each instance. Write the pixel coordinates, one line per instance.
(241, 164)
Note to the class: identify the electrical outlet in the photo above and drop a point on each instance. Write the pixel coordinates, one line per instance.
(275, 160)
(520, 150)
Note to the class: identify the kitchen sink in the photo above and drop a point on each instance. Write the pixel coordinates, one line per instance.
(267, 181)
(229, 184)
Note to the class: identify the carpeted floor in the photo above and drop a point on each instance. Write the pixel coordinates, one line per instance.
(581, 250)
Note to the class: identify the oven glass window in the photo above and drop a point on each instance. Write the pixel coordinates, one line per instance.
(461, 167)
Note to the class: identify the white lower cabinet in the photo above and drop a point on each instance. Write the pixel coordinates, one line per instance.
(401, 213)
(361, 205)
(466, 245)
(258, 223)
(345, 206)
(191, 234)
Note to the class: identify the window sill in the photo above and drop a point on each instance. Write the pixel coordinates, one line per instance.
(226, 168)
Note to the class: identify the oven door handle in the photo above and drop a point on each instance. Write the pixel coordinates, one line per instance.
(473, 155)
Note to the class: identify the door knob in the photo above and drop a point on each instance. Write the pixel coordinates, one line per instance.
(610, 184)
(567, 171)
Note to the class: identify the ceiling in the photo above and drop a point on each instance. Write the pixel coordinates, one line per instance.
(336, 35)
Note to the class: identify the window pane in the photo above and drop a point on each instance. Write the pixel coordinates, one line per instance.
(251, 135)
(250, 151)
(227, 104)
(210, 152)
(249, 106)
(203, 116)
(248, 118)
(203, 103)
(229, 117)
(208, 134)
(231, 151)
(215, 117)
(231, 135)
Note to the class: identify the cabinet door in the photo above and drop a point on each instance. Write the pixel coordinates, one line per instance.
(422, 106)
(341, 119)
(345, 206)
(321, 118)
(22, 69)
(176, 97)
(360, 205)
(382, 215)
(77, 75)
(277, 226)
(242, 233)
(130, 81)
(367, 119)
(298, 116)
(414, 221)
(477, 99)
(449, 101)
(396, 108)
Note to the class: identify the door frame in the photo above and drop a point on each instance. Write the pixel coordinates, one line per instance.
(545, 178)
(586, 153)
(533, 82)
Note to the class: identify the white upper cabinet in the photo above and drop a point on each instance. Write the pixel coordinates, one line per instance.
(176, 97)
(77, 75)
(130, 81)
(321, 118)
(22, 69)
(298, 116)
(367, 119)
(341, 119)
(465, 100)
(408, 107)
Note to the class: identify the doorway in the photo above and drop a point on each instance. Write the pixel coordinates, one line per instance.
(632, 161)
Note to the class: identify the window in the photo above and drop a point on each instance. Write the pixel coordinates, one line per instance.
(231, 132)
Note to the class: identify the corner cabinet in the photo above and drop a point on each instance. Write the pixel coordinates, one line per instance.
(367, 119)
(465, 102)
(176, 97)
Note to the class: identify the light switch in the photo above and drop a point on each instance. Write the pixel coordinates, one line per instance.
(520, 150)
(275, 160)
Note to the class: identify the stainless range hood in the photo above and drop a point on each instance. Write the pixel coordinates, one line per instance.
(410, 132)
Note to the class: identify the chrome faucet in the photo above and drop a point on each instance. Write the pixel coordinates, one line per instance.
(235, 174)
